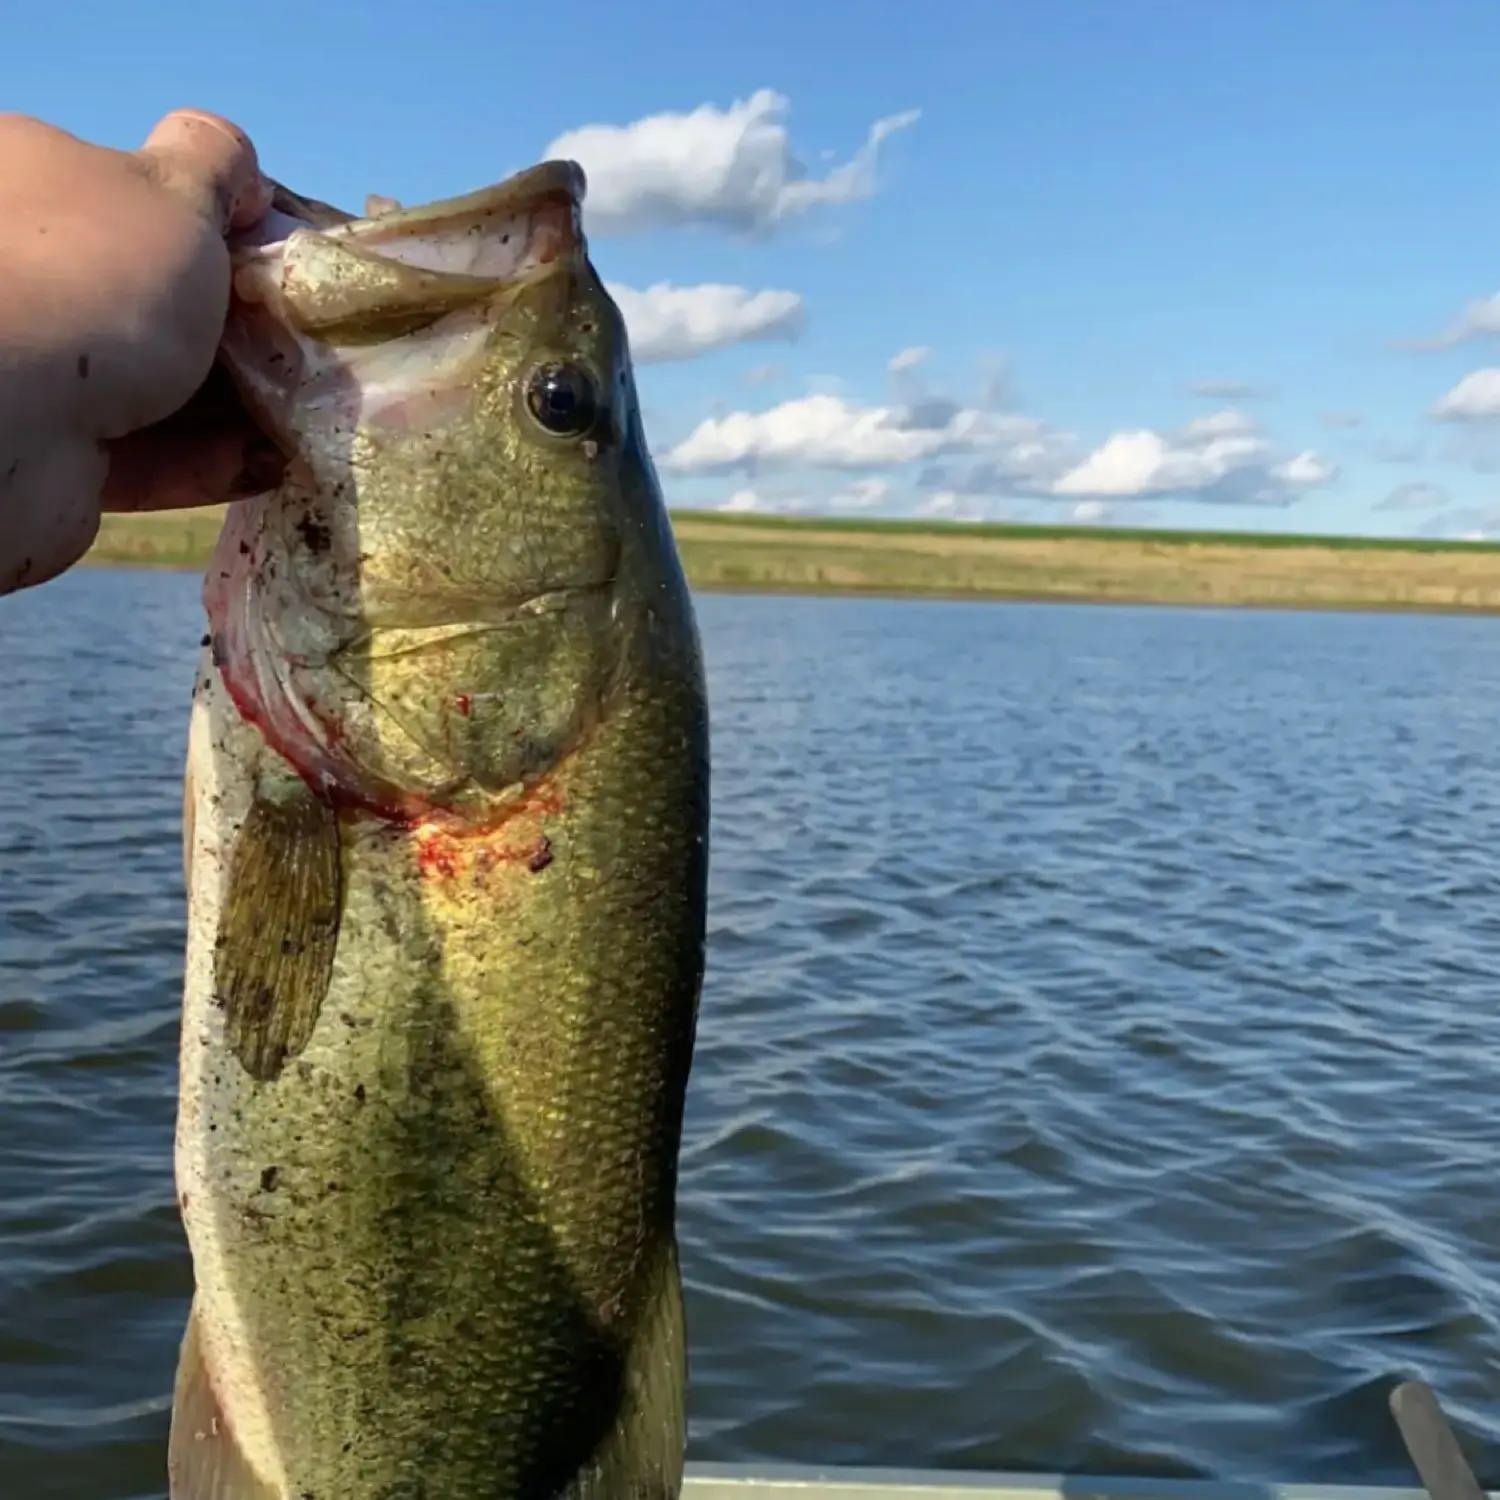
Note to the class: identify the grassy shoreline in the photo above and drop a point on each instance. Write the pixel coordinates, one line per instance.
(945, 560)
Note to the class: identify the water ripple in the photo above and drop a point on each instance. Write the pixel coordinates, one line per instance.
(1096, 1059)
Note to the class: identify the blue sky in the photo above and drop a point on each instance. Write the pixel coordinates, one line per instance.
(1218, 264)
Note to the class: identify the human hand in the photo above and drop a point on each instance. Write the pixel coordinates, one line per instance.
(114, 286)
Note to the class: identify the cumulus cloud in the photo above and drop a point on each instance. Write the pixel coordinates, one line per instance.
(729, 168)
(995, 387)
(668, 322)
(959, 450)
(862, 495)
(1221, 426)
(1228, 390)
(921, 406)
(908, 359)
(868, 494)
(1107, 513)
(1476, 398)
(1471, 411)
(954, 505)
(1222, 458)
(1479, 319)
(1029, 467)
(1415, 496)
(743, 501)
(831, 432)
(1305, 470)
(1469, 523)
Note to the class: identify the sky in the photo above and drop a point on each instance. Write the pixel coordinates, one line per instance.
(1221, 264)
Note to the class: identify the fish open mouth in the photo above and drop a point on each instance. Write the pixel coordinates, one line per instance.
(323, 301)
(496, 234)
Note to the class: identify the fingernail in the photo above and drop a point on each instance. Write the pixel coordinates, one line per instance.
(240, 188)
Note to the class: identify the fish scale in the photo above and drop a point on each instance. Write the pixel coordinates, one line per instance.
(446, 838)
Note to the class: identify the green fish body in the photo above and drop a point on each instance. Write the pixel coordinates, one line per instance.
(446, 841)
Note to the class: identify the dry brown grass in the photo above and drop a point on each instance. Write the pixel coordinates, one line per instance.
(1018, 564)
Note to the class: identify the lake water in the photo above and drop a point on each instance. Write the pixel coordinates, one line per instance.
(1099, 1064)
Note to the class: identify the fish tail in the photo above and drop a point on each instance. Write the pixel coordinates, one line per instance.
(204, 1459)
(642, 1458)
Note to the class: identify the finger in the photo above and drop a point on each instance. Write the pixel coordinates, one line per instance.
(204, 454)
(149, 471)
(206, 153)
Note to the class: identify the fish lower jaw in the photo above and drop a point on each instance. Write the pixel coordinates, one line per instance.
(446, 618)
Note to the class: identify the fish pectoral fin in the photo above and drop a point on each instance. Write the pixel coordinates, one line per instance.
(283, 903)
(643, 1454)
(204, 1461)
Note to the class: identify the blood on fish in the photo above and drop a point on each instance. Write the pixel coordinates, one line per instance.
(464, 704)
(437, 854)
(448, 851)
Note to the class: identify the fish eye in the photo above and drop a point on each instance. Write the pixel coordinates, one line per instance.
(562, 399)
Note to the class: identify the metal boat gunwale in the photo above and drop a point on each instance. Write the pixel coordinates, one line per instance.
(706, 1481)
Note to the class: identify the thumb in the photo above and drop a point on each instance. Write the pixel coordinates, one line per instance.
(202, 154)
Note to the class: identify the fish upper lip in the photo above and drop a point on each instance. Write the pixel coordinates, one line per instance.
(554, 178)
(522, 190)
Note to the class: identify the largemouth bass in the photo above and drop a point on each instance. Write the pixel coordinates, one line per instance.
(446, 844)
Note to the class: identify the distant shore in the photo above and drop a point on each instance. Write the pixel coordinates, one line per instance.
(776, 554)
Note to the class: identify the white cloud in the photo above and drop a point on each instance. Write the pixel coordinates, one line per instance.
(732, 168)
(862, 495)
(1414, 496)
(995, 388)
(679, 322)
(830, 432)
(1132, 514)
(1304, 471)
(1479, 319)
(951, 505)
(1475, 398)
(1470, 523)
(1128, 463)
(1221, 458)
(1226, 424)
(962, 459)
(908, 359)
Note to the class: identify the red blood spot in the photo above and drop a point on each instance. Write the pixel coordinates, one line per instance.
(437, 855)
(463, 703)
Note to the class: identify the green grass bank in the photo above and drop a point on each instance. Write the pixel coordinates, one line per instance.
(950, 560)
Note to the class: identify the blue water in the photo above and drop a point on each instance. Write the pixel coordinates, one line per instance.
(1098, 1058)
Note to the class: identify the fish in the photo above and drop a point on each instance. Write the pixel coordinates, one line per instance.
(446, 812)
